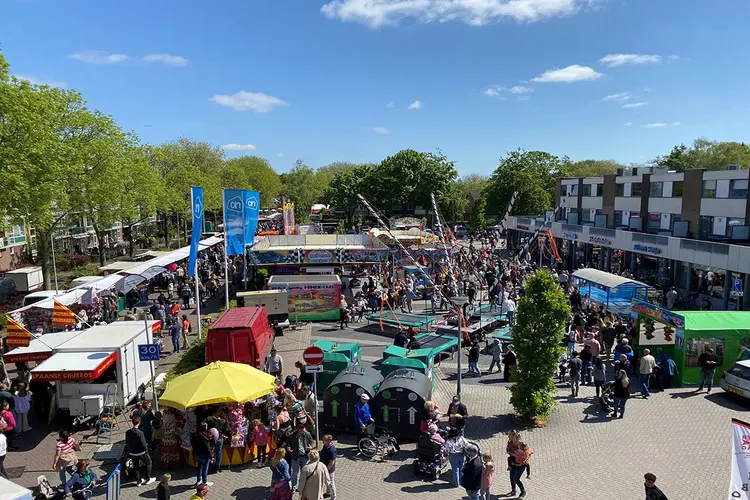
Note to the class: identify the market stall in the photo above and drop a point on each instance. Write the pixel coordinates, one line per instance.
(685, 335)
(311, 297)
(221, 383)
(613, 292)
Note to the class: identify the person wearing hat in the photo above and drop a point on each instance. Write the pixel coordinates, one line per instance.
(497, 355)
(471, 474)
(652, 491)
(362, 415)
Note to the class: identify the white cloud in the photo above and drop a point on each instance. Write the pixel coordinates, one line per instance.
(415, 105)
(238, 147)
(620, 96)
(656, 125)
(495, 91)
(99, 57)
(259, 102)
(519, 89)
(573, 73)
(379, 13)
(390, 105)
(628, 124)
(675, 124)
(280, 155)
(381, 130)
(36, 81)
(673, 58)
(167, 59)
(617, 60)
(647, 89)
(635, 105)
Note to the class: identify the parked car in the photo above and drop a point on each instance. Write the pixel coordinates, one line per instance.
(736, 380)
(7, 288)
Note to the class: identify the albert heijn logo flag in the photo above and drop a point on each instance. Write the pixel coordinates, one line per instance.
(16, 335)
(61, 315)
(241, 209)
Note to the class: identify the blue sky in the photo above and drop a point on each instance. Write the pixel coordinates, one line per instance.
(333, 80)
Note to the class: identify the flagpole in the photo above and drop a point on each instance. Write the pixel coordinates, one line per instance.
(54, 263)
(226, 250)
(197, 274)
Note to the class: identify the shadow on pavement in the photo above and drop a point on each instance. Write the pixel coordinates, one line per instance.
(253, 493)
(427, 488)
(729, 401)
(487, 427)
(594, 414)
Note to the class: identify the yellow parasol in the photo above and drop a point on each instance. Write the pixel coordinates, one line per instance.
(218, 382)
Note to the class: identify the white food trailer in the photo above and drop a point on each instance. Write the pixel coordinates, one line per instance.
(97, 365)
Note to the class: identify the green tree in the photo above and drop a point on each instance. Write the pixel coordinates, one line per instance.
(473, 183)
(678, 159)
(477, 223)
(541, 316)
(344, 187)
(593, 168)
(254, 172)
(715, 155)
(304, 187)
(533, 175)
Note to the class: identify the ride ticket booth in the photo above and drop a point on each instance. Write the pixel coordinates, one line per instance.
(399, 402)
(344, 392)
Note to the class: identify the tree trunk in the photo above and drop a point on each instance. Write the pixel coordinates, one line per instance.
(43, 254)
(100, 236)
(165, 227)
(131, 242)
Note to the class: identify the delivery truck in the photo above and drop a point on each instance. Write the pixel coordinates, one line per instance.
(240, 335)
(27, 279)
(98, 367)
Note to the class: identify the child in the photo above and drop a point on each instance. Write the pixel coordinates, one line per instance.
(514, 440)
(22, 400)
(563, 366)
(260, 438)
(522, 456)
(162, 489)
(157, 432)
(488, 469)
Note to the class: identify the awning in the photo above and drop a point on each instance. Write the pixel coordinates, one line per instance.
(74, 366)
(39, 349)
(608, 280)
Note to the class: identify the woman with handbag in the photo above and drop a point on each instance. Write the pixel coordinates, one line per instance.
(281, 488)
(65, 456)
(314, 478)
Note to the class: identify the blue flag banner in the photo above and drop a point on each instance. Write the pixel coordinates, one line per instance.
(196, 196)
(234, 221)
(252, 209)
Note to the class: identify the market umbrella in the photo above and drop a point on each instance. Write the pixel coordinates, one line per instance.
(218, 382)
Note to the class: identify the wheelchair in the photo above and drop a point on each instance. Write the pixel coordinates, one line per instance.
(431, 457)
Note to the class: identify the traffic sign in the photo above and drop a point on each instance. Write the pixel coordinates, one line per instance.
(148, 352)
(313, 355)
(313, 368)
(737, 285)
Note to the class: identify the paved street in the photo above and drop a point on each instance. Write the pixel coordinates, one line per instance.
(682, 438)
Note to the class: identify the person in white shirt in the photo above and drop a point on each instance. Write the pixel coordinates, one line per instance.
(509, 308)
(645, 369)
(3, 452)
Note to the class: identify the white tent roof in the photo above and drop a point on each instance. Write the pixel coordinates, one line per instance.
(605, 279)
(12, 491)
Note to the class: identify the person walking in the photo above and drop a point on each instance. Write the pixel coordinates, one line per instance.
(652, 491)
(496, 351)
(3, 452)
(275, 364)
(280, 477)
(301, 444)
(488, 470)
(65, 456)
(645, 369)
(22, 401)
(586, 358)
(621, 392)
(509, 363)
(520, 464)
(707, 361)
(328, 458)
(574, 370)
(474, 360)
(186, 329)
(203, 450)
(314, 479)
(174, 332)
(455, 447)
(471, 473)
(137, 447)
(10, 424)
(600, 375)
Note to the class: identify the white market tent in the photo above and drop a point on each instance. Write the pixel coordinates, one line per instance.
(12, 491)
(605, 279)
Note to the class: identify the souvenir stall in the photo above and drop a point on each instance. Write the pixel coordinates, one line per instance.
(239, 388)
(685, 335)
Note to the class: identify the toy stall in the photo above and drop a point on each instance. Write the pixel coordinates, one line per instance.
(613, 292)
(685, 335)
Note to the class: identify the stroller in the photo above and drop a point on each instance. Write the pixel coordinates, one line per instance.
(607, 397)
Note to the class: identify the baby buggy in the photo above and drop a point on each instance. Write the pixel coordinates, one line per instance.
(431, 458)
(607, 397)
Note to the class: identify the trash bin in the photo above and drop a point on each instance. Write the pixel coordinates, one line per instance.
(399, 402)
(351, 350)
(390, 365)
(333, 364)
(326, 345)
(344, 392)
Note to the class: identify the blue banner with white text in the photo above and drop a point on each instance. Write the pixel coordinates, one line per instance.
(252, 209)
(196, 195)
(234, 220)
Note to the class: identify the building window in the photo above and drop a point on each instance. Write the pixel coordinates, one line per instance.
(620, 189)
(656, 189)
(709, 189)
(618, 217)
(706, 225)
(573, 190)
(635, 189)
(677, 189)
(654, 221)
(738, 188)
(587, 190)
(735, 221)
(563, 190)
(675, 218)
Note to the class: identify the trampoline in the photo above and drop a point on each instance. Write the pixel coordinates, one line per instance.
(407, 320)
(438, 343)
(503, 334)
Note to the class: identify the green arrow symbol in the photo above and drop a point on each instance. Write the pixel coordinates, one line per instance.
(335, 408)
(386, 413)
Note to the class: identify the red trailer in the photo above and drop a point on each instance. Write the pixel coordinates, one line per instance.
(240, 335)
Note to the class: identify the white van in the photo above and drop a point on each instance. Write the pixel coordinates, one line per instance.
(737, 379)
(35, 297)
(83, 280)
